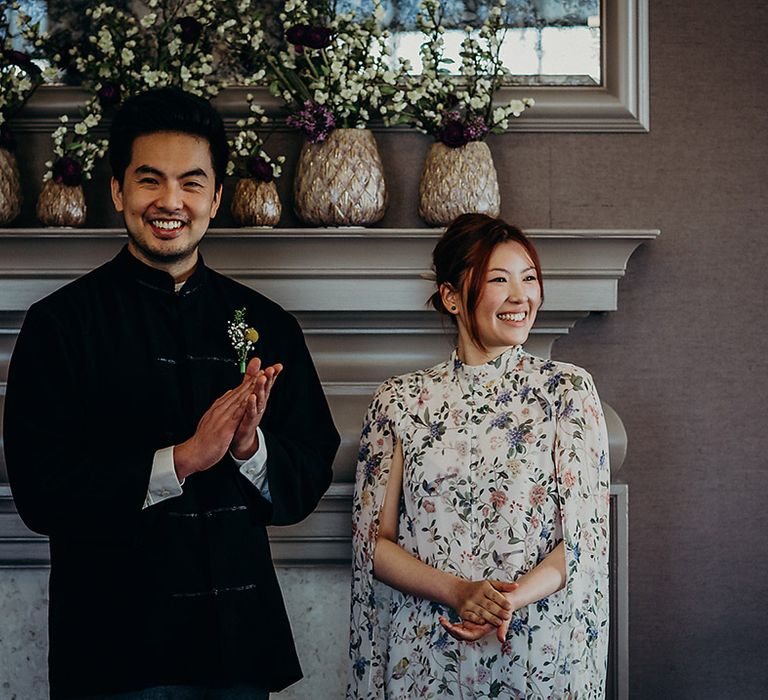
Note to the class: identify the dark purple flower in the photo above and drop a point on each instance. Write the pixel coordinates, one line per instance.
(259, 169)
(190, 29)
(295, 35)
(475, 129)
(317, 37)
(20, 59)
(109, 94)
(314, 119)
(452, 115)
(67, 171)
(452, 135)
(451, 101)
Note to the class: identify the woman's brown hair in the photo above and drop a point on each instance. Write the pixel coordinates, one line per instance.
(461, 257)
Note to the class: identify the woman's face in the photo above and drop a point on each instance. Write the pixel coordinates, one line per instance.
(508, 303)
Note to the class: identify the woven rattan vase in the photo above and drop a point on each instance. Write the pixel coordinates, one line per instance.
(10, 187)
(256, 203)
(61, 205)
(458, 181)
(340, 182)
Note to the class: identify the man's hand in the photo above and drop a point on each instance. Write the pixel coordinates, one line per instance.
(245, 441)
(214, 432)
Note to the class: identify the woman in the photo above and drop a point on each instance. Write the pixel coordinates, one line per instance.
(481, 506)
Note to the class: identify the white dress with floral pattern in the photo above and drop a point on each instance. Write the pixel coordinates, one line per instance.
(502, 461)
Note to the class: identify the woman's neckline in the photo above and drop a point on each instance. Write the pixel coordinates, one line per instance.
(490, 368)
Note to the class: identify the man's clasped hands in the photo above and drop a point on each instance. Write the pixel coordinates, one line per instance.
(229, 424)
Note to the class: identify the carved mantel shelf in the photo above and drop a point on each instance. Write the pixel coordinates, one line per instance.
(581, 267)
(358, 294)
(360, 298)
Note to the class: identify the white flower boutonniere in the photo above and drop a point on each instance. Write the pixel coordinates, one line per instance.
(242, 336)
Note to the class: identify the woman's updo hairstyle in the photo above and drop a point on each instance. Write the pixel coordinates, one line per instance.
(461, 257)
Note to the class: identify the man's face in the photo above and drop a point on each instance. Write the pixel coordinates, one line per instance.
(168, 197)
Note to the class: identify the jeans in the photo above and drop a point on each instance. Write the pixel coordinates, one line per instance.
(187, 692)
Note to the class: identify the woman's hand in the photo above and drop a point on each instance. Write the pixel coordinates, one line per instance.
(483, 601)
(466, 631)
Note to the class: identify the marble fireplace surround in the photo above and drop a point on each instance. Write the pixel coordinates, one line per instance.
(359, 296)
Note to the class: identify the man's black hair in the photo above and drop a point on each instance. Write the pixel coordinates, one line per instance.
(166, 109)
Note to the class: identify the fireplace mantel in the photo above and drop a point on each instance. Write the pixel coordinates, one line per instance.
(358, 293)
(360, 296)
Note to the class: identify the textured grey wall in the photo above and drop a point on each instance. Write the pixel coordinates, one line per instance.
(681, 360)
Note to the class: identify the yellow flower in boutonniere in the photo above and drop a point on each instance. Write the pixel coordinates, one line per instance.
(242, 336)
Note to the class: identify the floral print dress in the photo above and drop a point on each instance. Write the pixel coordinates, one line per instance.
(502, 461)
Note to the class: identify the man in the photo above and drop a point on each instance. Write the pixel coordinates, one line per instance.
(133, 441)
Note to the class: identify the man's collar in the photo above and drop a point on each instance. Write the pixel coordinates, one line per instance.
(133, 268)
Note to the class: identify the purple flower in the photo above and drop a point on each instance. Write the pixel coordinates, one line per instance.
(259, 169)
(317, 37)
(475, 129)
(295, 35)
(189, 29)
(452, 135)
(312, 37)
(451, 115)
(360, 664)
(314, 119)
(515, 436)
(7, 140)
(67, 171)
(501, 421)
(109, 94)
(20, 59)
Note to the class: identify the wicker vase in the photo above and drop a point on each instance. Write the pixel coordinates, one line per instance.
(255, 203)
(61, 205)
(340, 182)
(458, 181)
(10, 187)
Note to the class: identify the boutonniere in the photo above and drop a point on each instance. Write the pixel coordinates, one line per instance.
(242, 336)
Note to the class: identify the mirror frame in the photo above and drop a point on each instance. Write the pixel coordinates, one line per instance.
(621, 104)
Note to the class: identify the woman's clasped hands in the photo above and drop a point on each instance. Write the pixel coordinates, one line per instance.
(483, 606)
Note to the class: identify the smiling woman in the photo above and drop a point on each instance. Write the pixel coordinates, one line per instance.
(481, 502)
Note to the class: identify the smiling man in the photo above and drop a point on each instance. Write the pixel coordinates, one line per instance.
(154, 465)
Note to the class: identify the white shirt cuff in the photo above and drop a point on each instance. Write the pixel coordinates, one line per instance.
(255, 468)
(163, 482)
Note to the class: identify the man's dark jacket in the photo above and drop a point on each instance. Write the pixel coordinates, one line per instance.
(106, 371)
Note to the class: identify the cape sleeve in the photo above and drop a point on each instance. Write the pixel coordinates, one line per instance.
(300, 435)
(583, 484)
(369, 621)
(63, 482)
